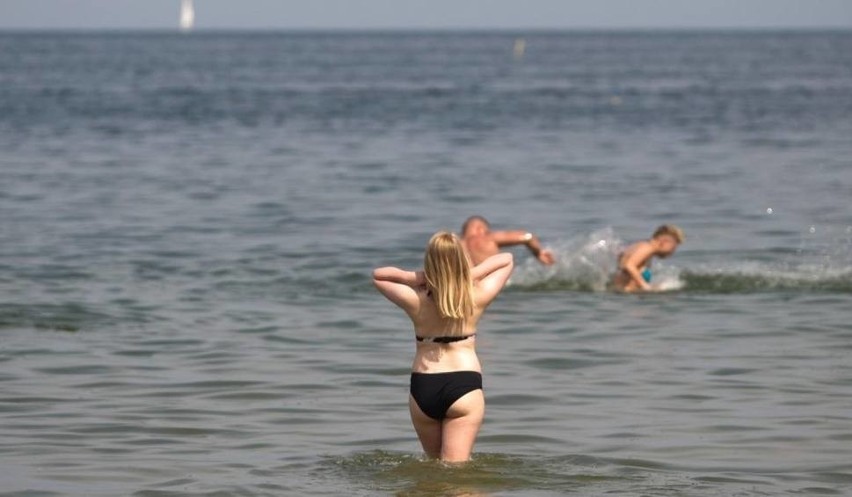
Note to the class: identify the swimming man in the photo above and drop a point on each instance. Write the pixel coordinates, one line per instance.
(481, 243)
(634, 263)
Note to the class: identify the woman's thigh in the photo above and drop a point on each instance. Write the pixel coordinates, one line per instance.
(429, 430)
(464, 418)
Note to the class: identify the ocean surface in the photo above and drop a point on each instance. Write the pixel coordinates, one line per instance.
(188, 224)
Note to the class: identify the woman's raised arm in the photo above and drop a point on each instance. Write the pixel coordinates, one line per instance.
(399, 286)
(395, 275)
(491, 275)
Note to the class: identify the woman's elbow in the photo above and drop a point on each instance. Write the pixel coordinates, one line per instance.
(379, 276)
(383, 274)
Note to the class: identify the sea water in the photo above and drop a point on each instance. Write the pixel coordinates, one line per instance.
(188, 224)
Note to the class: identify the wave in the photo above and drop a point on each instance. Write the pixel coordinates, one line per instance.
(586, 264)
(70, 317)
(767, 278)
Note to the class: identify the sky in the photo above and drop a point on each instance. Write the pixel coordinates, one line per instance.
(427, 14)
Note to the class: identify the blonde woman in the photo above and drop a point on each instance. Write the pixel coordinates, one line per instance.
(444, 302)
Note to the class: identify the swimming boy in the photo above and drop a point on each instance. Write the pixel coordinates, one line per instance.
(634, 263)
(481, 243)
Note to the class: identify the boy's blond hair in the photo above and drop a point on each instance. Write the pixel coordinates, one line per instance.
(671, 230)
(448, 276)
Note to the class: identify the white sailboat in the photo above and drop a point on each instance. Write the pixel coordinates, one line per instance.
(520, 48)
(187, 15)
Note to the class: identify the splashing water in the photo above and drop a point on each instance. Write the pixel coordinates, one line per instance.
(584, 263)
(587, 263)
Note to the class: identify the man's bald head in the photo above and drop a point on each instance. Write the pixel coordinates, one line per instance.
(475, 225)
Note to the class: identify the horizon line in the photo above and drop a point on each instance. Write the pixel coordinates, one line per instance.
(394, 29)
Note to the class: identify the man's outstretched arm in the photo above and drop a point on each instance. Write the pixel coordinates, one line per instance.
(509, 238)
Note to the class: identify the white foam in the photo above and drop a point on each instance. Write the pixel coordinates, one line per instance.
(585, 262)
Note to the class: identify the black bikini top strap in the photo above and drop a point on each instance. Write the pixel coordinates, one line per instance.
(444, 339)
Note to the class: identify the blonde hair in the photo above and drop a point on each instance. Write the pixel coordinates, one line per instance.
(670, 230)
(448, 276)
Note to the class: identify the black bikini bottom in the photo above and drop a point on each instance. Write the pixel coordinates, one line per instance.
(435, 393)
